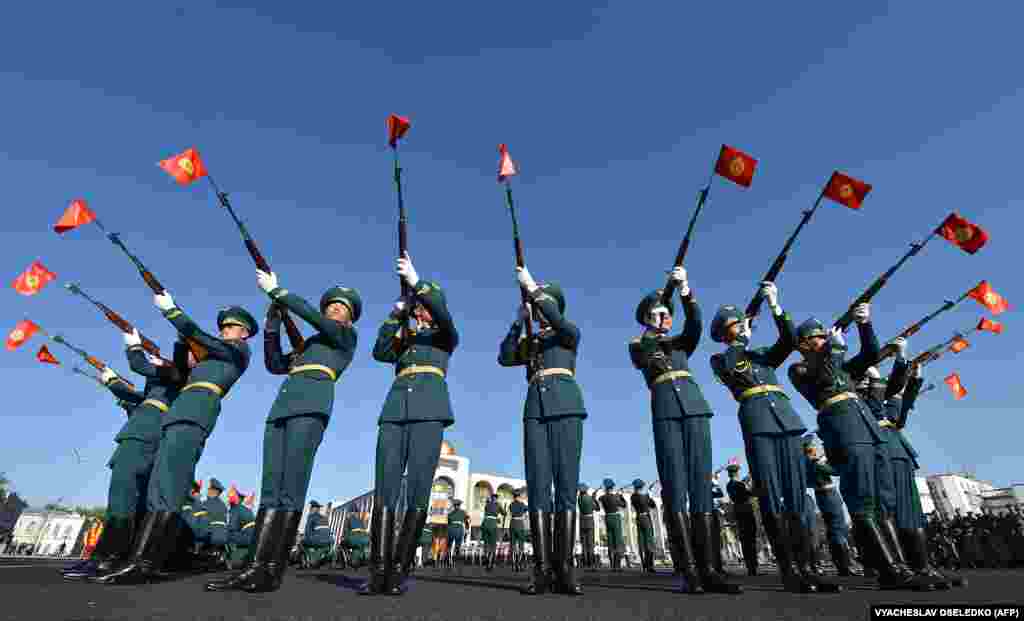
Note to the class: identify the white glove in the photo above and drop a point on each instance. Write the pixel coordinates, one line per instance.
(836, 336)
(267, 282)
(862, 313)
(745, 330)
(525, 280)
(918, 371)
(901, 347)
(399, 306)
(164, 301)
(132, 339)
(408, 273)
(107, 375)
(771, 295)
(680, 280)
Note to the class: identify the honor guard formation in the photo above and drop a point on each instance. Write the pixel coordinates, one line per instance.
(157, 525)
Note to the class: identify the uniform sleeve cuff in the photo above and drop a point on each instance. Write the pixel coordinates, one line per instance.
(172, 313)
(278, 293)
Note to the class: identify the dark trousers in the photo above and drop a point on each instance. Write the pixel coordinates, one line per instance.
(645, 538)
(181, 446)
(587, 542)
(613, 529)
(885, 481)
(130, 470)
(415, 447)
(747, 523)
(682, 448)
(552, 449)
(777, 469)
(289, 449)
(908, 504)
(831, 507)
(857, 479)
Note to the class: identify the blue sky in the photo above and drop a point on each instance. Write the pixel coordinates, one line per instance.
(615, 114)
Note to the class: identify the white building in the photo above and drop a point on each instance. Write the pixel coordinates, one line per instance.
(951, 492)
(927, 503)
(47, 531)
(999, 500)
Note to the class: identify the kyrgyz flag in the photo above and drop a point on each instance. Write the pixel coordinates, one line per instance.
(953, 381)
(44, 355)
(967, 236)
(232, 495)
(22, 332)
(506, 167)
(397, 126)
(988, 298)
(33, 279)
(185, 167)
(846, 190)
(77, 214)
(991, 325)
(736, 166)
(958, 345)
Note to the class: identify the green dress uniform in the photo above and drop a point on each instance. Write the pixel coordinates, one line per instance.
(456, 531)
(211, 518)
(552, 434)
(493, 512)
(819, 478)
(681, 418)
(317, 536)
(876, 396)
(852, 442)
(746, 519)
(518, 532)
(642, 505)
(241, 526)
(587, 503)
(426, 542)
(410, 430)
(612, 503)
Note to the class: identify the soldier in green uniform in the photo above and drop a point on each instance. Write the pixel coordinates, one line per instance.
(426, 544)
(819, 477)
(356, 540)
(181, 556)
(296, 423)
(746, 519)
(642, 504)
(681, 419)
(552, 431)
(587, 503)
(213, 514)
(850, 435)
(241, 527)
(612, 503)
(458, 522)
(317, 538)
(518, 533)
(489, 530)
(132, 463)
(411, 425)
(186, 426)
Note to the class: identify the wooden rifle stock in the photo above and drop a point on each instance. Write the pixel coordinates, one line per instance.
(115, 319)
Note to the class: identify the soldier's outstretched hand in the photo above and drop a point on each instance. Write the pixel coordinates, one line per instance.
(107, 375)
(681, 280)
(770, 293)
(836, 336)
(399, 307)
(163, 301)
(745, 330)
(862, 313)
(266, 281)
(525, 279)
(131, 339)
(406, 270)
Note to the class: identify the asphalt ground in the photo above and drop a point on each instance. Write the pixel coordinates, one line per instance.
(33, 589)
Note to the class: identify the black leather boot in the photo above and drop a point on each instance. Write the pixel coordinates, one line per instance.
(566, 529)
(405, 550)
(287, 526)
(800, 538)
(777, 528)
(704, 540)
(842, 560)
(915, 542)
(716, 524)
(683, 553)
(113, 550)
(262, 538)
(540, 532)
(375, 585)
(159, 531)
(892, 575)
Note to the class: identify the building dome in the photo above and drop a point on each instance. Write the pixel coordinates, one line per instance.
(446, 448)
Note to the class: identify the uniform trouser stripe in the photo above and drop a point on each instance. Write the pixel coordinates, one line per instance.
(682, 447)
(552, 450)
(289, 451)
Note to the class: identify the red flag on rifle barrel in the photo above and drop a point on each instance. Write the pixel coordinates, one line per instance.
(988, 298)
(22, 332)
(397, 126)
(736, 166)
(953, 381)
(185, 167)
(967, 236)
(77, 214)
(44, 355)
(846, 190)
(958, 345)
(506, 167)
(33, 279)
(991, 325)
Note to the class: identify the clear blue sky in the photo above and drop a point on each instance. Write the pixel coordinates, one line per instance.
(615, 114)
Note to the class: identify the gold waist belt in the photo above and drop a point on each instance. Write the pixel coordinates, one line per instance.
(160, 405)
(215, 389)
(671, 375)
(843, 396)
(759, 390)
(410, 370)
(552, 371)
(315, 367)
(248, 525)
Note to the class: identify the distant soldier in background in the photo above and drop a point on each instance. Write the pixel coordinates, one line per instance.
(642, 504)
(612, 503)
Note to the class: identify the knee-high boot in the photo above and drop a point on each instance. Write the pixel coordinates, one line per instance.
(412, 525)
(565, 529)
(800, 542)
(285, 533)
(375, 585)
(540, 533)
(842, 560)
(716, 523)
(778, 531)
(891, 573)
(152, 546)
(915, 542)
(263, 538)
(704, 540)
(681, 541)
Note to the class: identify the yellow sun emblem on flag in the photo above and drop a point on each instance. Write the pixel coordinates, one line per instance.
(964, 233)
(185, 163)
(846, 191)
(737, 166)
(991, 297)
(17, 335)
(31, 281)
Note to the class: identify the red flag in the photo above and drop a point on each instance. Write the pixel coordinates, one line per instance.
(988, 298)
(506, 167)
(734, 461)
(736, 166)
(22, 332)
(991, 325)
(397, 126)
(77, 214)
(967, 236)
(44, 355)
(846, 190)
(185, 167)
(249, 500)
(33, 279)
(958, 345)
(953, 381)
(232, 495)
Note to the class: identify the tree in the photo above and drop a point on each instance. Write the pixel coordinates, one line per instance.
(56, 507)
(4, 482)
(92, 513)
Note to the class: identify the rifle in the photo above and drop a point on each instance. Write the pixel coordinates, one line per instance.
(684, 246)
(844, 322)
(754, 307)
(890, 349)
(116, 319)
(86, 374)
(95, 362)
(517, 243)
(294, 334)
(403, 239)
